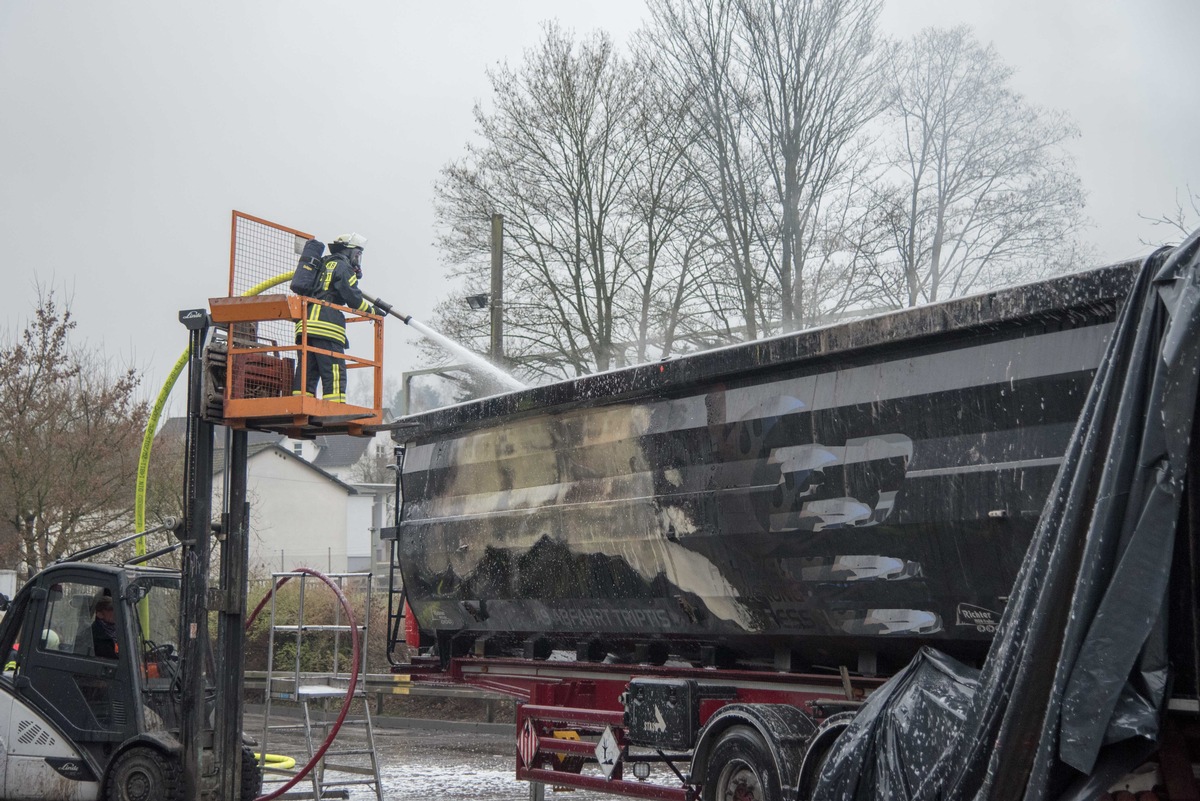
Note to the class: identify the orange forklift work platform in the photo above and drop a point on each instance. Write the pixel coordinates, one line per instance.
(259, 370)
(252, 371)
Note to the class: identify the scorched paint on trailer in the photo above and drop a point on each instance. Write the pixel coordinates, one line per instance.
(858, 488)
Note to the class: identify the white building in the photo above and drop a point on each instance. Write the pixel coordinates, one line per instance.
(311, 503)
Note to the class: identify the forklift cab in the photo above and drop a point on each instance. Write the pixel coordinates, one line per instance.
(92, 660)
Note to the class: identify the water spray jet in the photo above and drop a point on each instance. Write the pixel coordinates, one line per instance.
(441, 340)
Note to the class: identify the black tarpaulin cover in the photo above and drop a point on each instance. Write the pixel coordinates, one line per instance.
(1071, 693)
(907, 720)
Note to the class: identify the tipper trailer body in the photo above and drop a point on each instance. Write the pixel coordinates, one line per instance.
(825, 498)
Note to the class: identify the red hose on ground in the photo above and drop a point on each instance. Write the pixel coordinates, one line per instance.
(354, 663)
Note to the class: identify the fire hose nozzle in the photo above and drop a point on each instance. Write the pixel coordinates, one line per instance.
(386, 308)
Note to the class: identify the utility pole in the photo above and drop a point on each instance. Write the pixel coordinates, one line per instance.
(496, 351)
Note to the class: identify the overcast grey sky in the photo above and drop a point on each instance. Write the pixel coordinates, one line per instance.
(131, 129)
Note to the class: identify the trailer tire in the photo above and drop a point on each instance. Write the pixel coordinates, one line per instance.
(819, 748)
(740, 768)
(144, 774)
(252, 777)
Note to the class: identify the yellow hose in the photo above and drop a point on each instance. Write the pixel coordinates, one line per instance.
(272, 761)
(139, 498)
(276, 761)
(139, 493)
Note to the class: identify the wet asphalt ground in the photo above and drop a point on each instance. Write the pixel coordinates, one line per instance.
(428, 765)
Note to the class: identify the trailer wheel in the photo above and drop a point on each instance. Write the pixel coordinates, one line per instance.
(819, 748)
(252, 777)
(740, 768)
(144, 774)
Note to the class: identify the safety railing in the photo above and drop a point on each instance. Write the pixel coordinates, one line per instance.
(263, 358)
(265, 378)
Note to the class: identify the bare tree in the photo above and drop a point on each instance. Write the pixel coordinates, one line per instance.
(1180, 222)
(372, 468)
(71, 434)
(815, 74)
(845, 251)
(166, 488)
(668, 208)
(555, 159)
(781, 91)
(723, 183)
(984, 188)
(697, 45)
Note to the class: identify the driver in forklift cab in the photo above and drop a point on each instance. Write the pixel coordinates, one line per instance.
(104, 629)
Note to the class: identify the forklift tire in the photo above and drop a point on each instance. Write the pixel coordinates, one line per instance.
(740, 767)
(144, 774)
(252, 777)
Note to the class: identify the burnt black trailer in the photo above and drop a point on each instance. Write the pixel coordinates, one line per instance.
(742, 532)
(830, 497)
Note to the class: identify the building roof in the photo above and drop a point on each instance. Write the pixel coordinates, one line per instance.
(177, 427)
(340, 451)
(173, 427)
(256, 449)
(252, 449)
(332, 451)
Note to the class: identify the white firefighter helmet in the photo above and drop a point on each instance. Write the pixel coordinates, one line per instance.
(351, 241)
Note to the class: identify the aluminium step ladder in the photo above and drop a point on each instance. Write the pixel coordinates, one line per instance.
(348, 762)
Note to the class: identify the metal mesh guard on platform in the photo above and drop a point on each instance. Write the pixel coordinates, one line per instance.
(262, 251)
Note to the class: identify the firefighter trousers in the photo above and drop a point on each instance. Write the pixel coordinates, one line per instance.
(330, 370)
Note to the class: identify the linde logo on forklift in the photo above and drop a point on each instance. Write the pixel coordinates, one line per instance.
(71, 768)
(194, 319)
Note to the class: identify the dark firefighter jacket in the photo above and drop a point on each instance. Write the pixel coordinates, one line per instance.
(337, 284)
